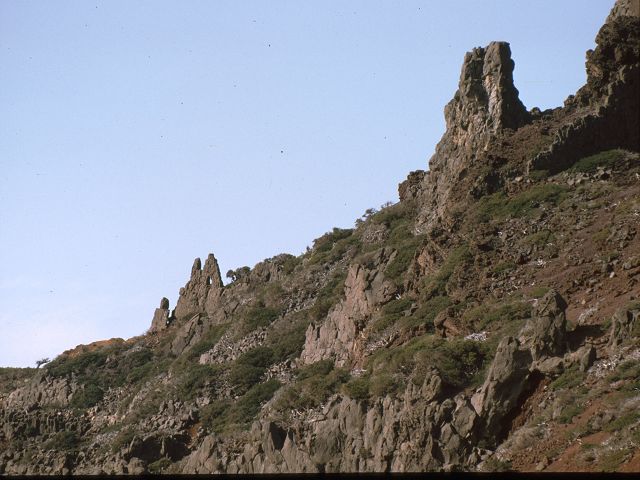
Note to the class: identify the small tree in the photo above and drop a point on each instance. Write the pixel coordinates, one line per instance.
(41, 362)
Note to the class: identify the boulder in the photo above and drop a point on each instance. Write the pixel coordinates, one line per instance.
(624, 325)
(160, 317)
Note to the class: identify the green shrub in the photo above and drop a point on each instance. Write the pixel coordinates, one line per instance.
(498, 206)
(223, 414)
(399, 265)
(397, 306)
(249, 404)
(623, 421)
(435, 285)
(123, 439)
(567, 414)
(504, 267)
(427, 312)
(207, 342)
(604, 159)
(328, 296)
(257, 317)
(196, 378)
(611, 460)
(82, 364)
(384, 384)
(358, 388)
(288, 343)
(249, 368)
(483, 316)
(572, 377)
(11, 377)
(314, 384)
(159, 465)
(332, 245)
(213, 416)
(66, 441)
(397, 215)
(87, 397)
(539, 291)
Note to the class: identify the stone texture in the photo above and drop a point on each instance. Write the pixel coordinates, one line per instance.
(365, 289)
(623, 323)
(160, 317)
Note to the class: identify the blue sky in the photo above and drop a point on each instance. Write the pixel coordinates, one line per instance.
(135, 136)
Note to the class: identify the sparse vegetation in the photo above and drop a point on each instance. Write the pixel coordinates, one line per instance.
(606, 159)
(315, 383)
(572, 377)
(498, 206)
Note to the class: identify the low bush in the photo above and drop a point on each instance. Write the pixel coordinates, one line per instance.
(484, 316)
(314, 384)
(328, 296)
(426, 313)
(606, 159)
(457, 361)
(570, 411)
(66, 441)
(436, 285)
(623, 421)
(196, 378)
(123, 439)
(159, 465)
(289, 342)
(257, 317)
(223, 414)
(498, 206)
(249, 368)
(358, 388)
(87, 397)
(572, 377)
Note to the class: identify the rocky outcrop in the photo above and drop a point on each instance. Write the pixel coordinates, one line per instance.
(485, 104)
(409, 434)
(624, 323)
(604, 113)
(43, 390)
(202, 292)
(518, 362)
(160, 317)
(365, 289)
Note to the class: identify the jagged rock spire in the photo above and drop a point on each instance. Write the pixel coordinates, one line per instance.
(486, 101)
(203, 282)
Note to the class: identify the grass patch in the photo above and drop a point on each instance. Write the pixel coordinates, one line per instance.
(328, 296)
(159, 465)
(66, 440)
(314, 384)
(457, 361)
(257, 317)
(483, 316)
(572, 377)
(611, 461)
(572, 410)
(498, 206)
(606, 159)
(249, 368)
(196, 378)
(435, 285)
(623, 421)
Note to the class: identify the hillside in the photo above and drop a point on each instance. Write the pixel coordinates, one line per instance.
(488, 321)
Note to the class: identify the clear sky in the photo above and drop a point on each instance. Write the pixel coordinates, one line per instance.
(138, 135)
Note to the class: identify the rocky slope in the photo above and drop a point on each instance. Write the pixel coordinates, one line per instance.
(487, 321)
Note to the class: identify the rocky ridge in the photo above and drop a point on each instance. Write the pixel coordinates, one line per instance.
(487, 321)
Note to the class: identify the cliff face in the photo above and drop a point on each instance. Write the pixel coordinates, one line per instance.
(485, 322)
